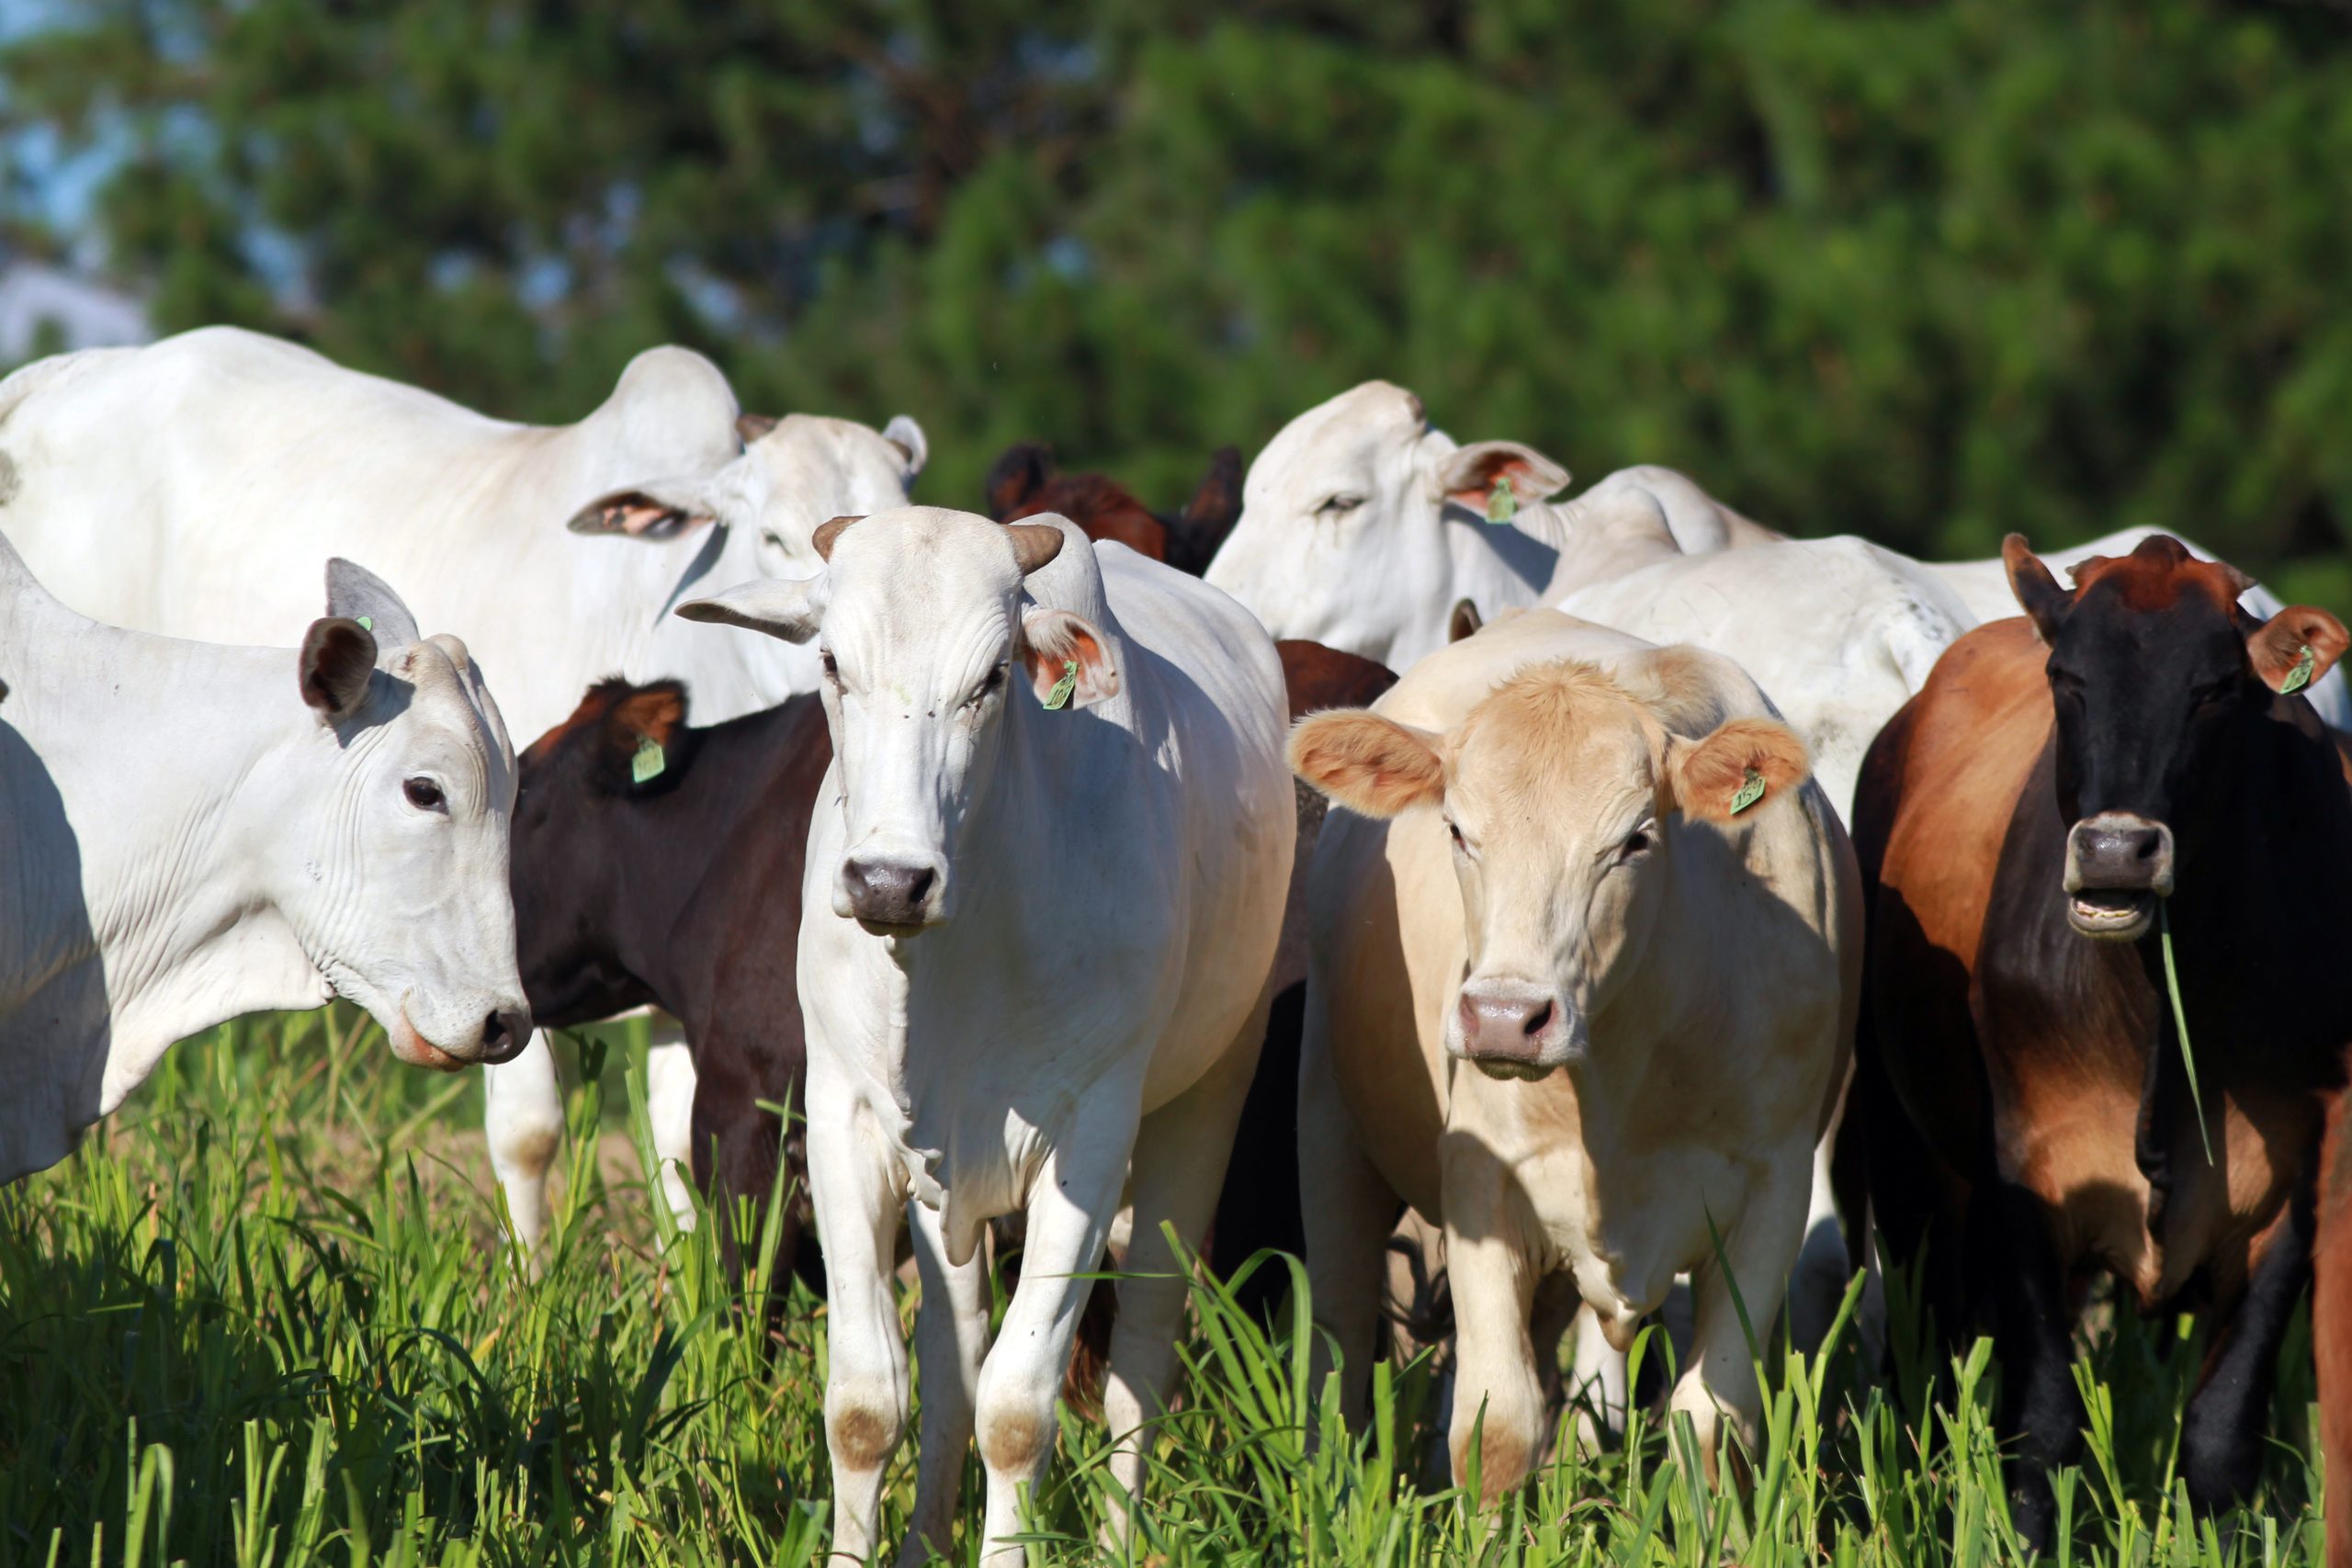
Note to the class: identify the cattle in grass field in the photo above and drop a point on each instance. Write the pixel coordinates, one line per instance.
(1042, 897)
(1024, 482)
(192, 487)
(194, 831)
(1583, 960)
(2130, 756)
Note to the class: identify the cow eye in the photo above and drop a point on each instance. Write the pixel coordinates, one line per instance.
(770, 537)
(1637, 843)
(1339, 506)
(1453, 830)
(832, 670)
(990, 684)
(424, 795)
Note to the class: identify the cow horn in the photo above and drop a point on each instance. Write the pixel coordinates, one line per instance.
(1034, 544)
(828, 534)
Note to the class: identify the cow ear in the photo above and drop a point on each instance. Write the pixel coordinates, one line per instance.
(640, 736)
(337, 661)
(1463, 622)
(2044, 603)
(656, 511)
(2278, 646)
(1745, 763)
(1019, 473)
(1469, 474)
(904, 434)
(791, 610)
(1057, 647)
(749, 427)
(1372, 765)
(355, 593)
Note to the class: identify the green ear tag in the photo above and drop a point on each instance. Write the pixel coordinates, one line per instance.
(2300, 675)
(1501, 504)
(649, 760)
(366, 623)
(1059, 696)
(1752, 790)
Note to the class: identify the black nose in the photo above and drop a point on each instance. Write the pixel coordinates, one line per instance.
(503, 1035)
(2118, 852)
(886, 892)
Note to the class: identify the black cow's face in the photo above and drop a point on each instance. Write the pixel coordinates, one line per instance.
(619, 745)
(2152, 677)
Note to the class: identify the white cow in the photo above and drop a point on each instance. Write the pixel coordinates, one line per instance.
(191, 832)
(1056, 856)
(1584, 960)
(191, 488)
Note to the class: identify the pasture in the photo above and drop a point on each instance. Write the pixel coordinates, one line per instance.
(261, 1318)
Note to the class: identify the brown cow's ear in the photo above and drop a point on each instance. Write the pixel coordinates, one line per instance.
(640, 735)
(1372, 765)
(2278, 645)
(338, 659)
(1068, 665)
(2044, 603)
(1745, 763)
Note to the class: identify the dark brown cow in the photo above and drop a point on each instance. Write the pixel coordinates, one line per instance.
(2025, 1093)
(1024, 482)
(681, 889)
(2331, 1325)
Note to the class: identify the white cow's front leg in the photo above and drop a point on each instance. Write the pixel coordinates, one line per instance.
(669, 1106)
(1719, 1379)
(1068, 1221)
(858, 1198)
(951, 1337)
(523, 1123)
(1180, 1157)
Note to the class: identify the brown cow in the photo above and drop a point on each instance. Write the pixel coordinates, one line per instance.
(2026, 1095)
(1024, 483)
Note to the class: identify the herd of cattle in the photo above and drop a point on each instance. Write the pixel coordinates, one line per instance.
(988, 852)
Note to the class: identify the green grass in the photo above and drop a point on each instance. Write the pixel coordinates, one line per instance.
(261, 1318)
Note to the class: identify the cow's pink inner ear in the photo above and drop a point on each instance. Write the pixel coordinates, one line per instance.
(2277, 646)
(1052, 641)
(1709, 776)
(1373, 766)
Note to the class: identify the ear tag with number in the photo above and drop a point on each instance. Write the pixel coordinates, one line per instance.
(1752, 790)
(2300, 675)
(1059, 696)
(646, 765)
(1502, 505)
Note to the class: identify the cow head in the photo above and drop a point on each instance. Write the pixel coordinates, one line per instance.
(754, 516)
(930, 650)
(1025, 483)
(1566, 800)
(622, 745)
(389, 857)
(1342, 537)
(2154, 673)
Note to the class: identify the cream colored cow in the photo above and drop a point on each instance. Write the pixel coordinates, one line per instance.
(1575, 995)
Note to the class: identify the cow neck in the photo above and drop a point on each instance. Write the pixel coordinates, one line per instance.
(170, 791)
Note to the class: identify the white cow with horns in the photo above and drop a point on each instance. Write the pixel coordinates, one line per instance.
(1055, 843)
(192, 487)
(195, 832)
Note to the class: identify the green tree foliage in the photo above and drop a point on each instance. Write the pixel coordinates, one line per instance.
(1929, 272)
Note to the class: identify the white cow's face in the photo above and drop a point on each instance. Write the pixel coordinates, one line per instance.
(388, 854)
(1342, 532)
(1561, 793)
(927, 650)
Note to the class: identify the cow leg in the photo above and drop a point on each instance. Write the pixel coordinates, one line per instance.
(1719, 1379)
(1179, 1163)
(2220, 1438)
(1497, 1391)
(950, 1338)
(858, 1203)
(1596, 1379)
(669, 1106)
(1347, 1224)
(522, 1117)
(2012, 1251)
(1070, 1206)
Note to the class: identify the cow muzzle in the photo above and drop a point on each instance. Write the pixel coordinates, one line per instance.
(1512, 1028)
(503, 1034)
(890, 895)
(2118, 865)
